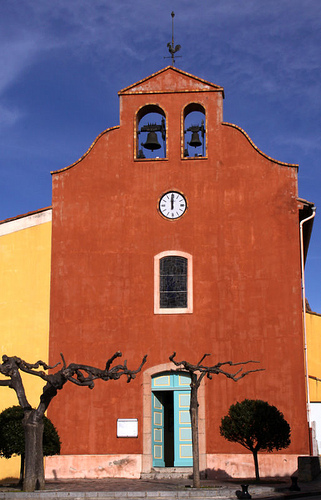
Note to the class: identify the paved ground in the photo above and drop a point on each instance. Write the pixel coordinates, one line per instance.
(162, 489)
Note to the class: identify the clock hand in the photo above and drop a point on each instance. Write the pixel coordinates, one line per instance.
(172, 201)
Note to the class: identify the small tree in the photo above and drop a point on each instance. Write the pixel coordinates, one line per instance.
(256, 425)
(12, 437)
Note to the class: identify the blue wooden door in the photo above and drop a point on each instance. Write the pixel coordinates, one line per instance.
(183, 455)
(158, 430)
(179, 385)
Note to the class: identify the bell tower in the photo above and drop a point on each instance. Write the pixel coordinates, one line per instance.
(174, 113)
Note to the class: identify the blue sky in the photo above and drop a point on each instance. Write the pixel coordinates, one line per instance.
(63, 62)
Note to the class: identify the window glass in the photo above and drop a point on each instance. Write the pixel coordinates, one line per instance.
(173, 282)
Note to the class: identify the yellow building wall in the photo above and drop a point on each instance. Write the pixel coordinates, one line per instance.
(25, 256)
(313, 328)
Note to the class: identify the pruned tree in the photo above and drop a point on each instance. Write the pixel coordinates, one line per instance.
(197, 373)
(12, 437)
(81, 375)
(256, 425)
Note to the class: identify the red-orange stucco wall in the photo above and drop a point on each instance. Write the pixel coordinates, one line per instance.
(241, 228)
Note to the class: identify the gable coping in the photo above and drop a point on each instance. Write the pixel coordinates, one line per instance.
(278, 162)
(127, 90)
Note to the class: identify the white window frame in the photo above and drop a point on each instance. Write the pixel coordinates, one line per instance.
(175, 310)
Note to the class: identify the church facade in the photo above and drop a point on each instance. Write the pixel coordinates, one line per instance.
(174, 232)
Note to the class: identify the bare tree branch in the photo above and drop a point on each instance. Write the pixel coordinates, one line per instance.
(9, 369)
(200, 361)
(4, 382)
(84, 375)
(81, 375)
(63, 360)
(30, 368)
(215, 369)
(117, 354)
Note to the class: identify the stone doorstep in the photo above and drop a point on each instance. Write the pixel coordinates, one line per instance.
(168, 473)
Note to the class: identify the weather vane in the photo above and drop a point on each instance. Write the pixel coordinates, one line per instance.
(172, 49)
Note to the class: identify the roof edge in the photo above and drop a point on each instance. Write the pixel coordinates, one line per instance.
(284, 164)
(306, 202)
(172, 68)
(28, 214)
(87, 152)
(25, 221)
(313, 313)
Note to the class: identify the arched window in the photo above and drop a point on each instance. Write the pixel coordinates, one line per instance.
(194, 130)
(173, 283)
(150, 133)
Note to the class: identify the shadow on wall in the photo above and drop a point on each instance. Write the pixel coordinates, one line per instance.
(215, 474)
(222, 475)
(8, 481)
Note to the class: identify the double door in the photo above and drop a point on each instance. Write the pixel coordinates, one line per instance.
(171, 424)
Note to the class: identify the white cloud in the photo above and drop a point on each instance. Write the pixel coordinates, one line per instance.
(308, 144)
(9, 116)
(15, 56)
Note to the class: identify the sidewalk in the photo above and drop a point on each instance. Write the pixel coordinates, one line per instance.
(160, 489)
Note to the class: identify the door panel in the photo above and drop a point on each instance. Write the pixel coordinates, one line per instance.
(158, 430)
(183, 432)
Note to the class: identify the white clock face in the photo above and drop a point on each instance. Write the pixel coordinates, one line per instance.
(172, 205)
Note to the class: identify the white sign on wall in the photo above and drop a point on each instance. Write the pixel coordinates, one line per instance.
(127, 427)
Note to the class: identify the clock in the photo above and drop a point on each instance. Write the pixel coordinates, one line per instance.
(172, 205)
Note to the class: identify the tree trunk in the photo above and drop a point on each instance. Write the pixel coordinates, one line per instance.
(34, 469)
(195, 445)
(256, 464)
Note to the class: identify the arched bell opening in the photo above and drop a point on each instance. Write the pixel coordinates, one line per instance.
(194, 130)
(150, 133)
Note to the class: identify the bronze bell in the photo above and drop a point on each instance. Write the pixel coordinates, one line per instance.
(195, 141)
(152, 141)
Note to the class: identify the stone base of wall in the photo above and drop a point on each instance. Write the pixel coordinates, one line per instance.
(220, 466)
(227, 466)
(92, 466)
